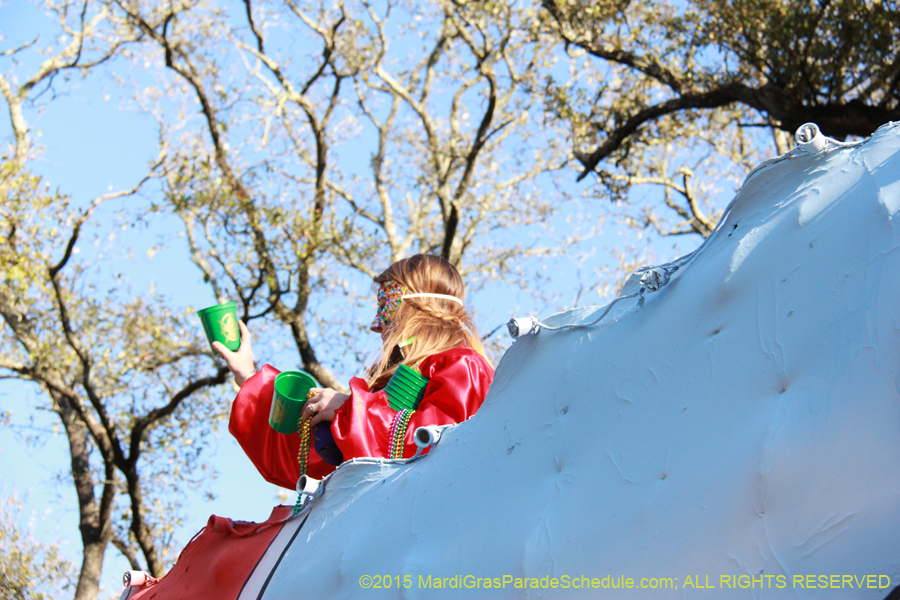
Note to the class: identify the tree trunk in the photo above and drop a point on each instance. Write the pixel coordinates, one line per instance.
(782, 140)
(94, 533)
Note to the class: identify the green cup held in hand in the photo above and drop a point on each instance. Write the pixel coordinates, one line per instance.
(291, 389)
(220, 324)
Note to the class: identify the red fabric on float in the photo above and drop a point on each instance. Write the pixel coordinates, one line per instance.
(217, 562)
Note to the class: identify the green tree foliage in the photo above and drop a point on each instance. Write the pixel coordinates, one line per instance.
(116, 369)
(709, 72)
(29, 569)
(270, 183)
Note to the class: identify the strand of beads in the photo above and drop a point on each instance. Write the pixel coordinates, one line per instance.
(303, 453)
(393, 437)
(398, 432)
(303, 457)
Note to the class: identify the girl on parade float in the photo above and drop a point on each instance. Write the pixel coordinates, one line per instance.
(424, 325)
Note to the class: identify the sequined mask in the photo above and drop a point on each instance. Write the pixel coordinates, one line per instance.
(390, 293)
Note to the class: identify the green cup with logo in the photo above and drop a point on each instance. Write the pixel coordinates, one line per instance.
(291, 389)
(221, 325)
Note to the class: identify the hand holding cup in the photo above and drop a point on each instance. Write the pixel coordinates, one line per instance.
(321, 407)
(240, 362)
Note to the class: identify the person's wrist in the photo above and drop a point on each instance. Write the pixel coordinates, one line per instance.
(242, 378)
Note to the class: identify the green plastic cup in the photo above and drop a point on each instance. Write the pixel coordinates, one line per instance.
(405, 389)
(291, 388)
(221, 325)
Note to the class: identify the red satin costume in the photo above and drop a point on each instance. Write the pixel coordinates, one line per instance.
(458, 382)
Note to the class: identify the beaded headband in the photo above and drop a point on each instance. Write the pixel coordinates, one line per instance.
(390, 294)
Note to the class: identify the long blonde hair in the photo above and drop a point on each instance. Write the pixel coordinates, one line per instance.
(436, 323)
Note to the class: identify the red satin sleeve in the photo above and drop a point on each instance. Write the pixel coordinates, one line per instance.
(458, 382)
(273, 454)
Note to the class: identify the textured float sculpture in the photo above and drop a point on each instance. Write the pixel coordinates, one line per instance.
(734, 434)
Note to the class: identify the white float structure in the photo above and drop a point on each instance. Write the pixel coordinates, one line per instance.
(736, 436)
(733, 434)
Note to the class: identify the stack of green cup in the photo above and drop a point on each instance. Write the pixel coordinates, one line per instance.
(291, 388)
(221, 325)
(405, 389)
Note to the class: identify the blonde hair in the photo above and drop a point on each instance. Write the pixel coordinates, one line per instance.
(437, 324)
